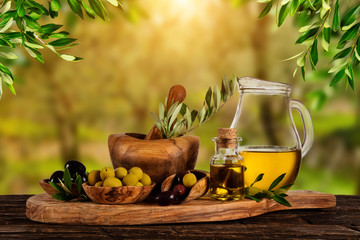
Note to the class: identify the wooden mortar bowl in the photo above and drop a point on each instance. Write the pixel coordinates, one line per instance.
(117, 195)
(158, 158)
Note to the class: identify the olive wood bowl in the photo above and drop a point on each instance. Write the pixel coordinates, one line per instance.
(44, 183)
(117, 195)
(158, 158)
(200, 188)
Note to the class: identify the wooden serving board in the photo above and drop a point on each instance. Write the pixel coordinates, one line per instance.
(43, 208)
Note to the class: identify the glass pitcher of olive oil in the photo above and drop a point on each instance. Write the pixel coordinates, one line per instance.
(271, 142)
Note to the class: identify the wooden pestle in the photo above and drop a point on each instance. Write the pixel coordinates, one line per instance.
(177, 93)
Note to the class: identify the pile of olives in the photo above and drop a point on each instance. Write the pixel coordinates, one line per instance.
(108, 177)
(179, 190)
(74, 167)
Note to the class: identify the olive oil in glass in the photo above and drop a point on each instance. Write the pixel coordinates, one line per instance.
(272, 162)
(227, 170)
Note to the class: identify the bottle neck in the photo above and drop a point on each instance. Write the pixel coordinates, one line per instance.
(226, 146)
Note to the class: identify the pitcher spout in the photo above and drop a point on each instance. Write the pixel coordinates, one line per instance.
(253, 84)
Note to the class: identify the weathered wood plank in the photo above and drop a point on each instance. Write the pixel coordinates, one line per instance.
(227, 231)
(340, 222)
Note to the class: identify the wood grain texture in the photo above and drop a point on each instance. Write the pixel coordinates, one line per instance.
(117, 195)
(340, 222)
(43, 208)
(158, 158)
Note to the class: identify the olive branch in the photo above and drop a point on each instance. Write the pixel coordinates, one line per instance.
(180, 120)
(320, 21)
(20, 27)
(278, 195)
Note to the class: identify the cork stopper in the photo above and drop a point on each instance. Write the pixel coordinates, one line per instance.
(227, 133)
(227, 137)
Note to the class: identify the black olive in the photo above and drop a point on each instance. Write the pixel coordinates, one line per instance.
(177, 180)
(75, 167)
(84, 177)
(56, 176)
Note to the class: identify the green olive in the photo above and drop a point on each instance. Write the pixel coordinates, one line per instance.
(189, 180)
(120, 172)
(137, 171)
(99, 184)
(107, 172)
(112, 182)
(130, 180)
(139, 184)
(145, 180)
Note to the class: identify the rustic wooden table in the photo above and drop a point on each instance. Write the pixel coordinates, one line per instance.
(341, 222)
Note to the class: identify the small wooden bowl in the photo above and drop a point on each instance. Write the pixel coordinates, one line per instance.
(44, 183)
(200, 188)
(117, 195)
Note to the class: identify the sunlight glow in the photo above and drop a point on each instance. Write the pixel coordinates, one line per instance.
(186, 10)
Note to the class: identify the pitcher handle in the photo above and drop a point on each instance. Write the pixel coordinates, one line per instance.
(307, 125)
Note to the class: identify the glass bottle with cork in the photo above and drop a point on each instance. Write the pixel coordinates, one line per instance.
(227, 167)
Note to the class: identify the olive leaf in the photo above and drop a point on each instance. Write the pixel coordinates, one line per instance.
(78, 183)
(277, 181)
(339, 75)
(216, 97)
(284, 11)
(208, 97)
(350, 17)
(253, 198)
(277, 195)
(62, 197)
(281, 200)
(64, 187)
(314, 54)
(266, 9)
(175, 113)
(194, 114)
(306, 35)
(286, 186)
(201, 115)
(294, 6)
(336, 18)
(161, 111)
(343, 53)
(57, 187)
(67, 179)
(258, 178)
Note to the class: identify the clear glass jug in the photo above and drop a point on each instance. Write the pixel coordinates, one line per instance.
(271, 142)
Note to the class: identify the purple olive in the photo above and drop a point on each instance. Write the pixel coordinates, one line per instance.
(166, 198)
(180, 190)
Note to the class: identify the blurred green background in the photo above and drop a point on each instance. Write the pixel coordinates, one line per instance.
(66, 110)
